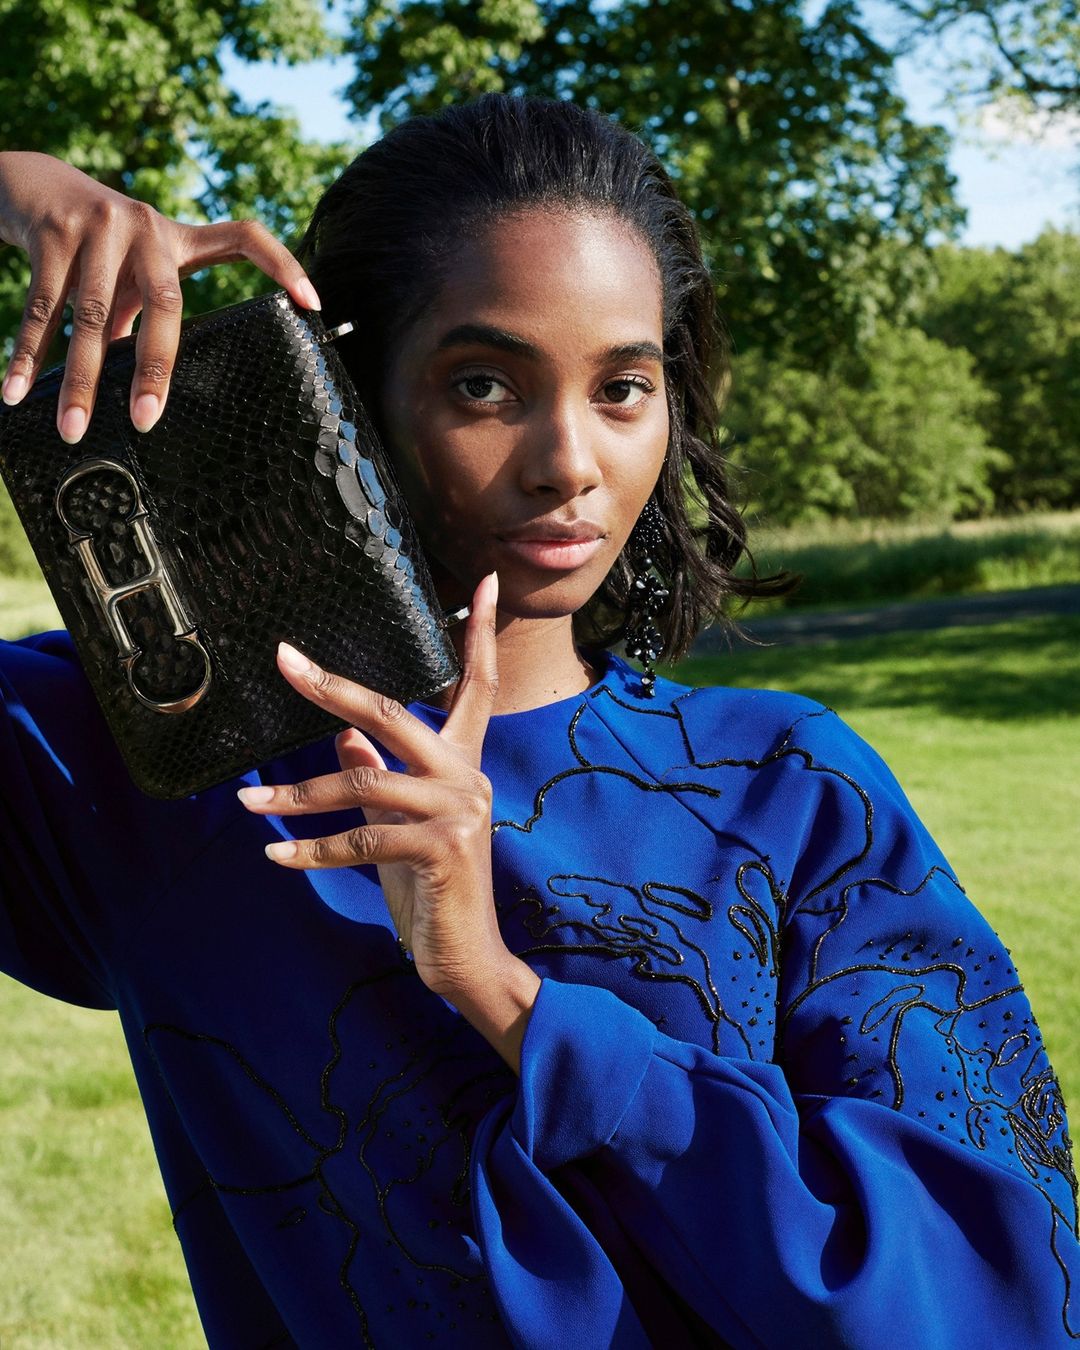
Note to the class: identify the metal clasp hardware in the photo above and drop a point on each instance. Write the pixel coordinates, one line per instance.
(109, 598)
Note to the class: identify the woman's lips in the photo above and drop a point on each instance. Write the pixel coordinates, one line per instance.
(555, 555)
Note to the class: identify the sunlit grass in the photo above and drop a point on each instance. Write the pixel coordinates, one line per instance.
(88, 1256)
(865, 562)
(26, 607)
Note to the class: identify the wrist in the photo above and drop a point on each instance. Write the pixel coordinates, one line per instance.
(498, 1003)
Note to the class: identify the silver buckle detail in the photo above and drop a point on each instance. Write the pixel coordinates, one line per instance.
(109, 598)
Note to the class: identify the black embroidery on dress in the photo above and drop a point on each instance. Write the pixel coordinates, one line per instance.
(753, 921)
(454, 1117)
(586, 767)
(1028, 1111)
(840, 909)
(897, 1003)
(1057, 1221)
(1003, 1085)
(636, 933)
(453, 1124)
(206, 1185)
(785, 749)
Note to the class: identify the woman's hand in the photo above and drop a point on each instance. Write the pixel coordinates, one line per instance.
(428, 830)
(115, 257)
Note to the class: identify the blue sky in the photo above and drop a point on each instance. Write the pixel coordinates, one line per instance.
(1013, 182)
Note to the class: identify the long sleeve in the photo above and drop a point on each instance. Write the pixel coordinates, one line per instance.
(899, 1169)
(83, 854)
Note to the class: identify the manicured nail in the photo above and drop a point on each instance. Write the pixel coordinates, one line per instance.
(493, 583)
(309, 296)
(255, 796)
(146, 411)
(295, 660)
(281, 852)
(14, 387)
(73, 425)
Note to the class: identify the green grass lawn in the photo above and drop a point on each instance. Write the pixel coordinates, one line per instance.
(26, 607)
(981, 725)
(866, 562)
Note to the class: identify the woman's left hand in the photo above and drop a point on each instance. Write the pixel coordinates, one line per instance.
(428, 830)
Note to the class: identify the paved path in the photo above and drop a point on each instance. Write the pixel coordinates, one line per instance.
(810, 628)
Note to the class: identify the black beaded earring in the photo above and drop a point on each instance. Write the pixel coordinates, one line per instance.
(643, 641)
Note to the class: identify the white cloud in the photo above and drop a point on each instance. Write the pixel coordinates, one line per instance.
(1010, 124)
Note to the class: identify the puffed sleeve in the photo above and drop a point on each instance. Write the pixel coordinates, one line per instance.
(82, 851)
(899, 1173)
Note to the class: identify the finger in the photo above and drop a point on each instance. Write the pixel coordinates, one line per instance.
(232, 240)
(360, 785)
(123, 324)
(389, 721)
(91, 327)
(354, 748)
(474, 697)
(42, 313)
(159, 337)
(356, 848)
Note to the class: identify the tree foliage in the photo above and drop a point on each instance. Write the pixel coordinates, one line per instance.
(894, 432)
(788, 139)
(818, 197)
(134, 93)
(1012, 51)
(1018, 314)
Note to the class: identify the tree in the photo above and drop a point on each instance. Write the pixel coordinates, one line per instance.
(1018, 314)
(895, 432)
(1023, 52)
(135, 94)
(814, 191)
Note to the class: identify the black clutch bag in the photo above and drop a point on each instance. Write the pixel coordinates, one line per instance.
(261, 507)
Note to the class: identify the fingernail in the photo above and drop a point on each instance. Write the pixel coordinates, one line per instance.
(309, 297)
(73, 425)
(15, 387)
(255, 796)
(281, 852)
(295, 660)
(146, 411)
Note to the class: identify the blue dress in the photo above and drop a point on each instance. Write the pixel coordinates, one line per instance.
(781, 1085)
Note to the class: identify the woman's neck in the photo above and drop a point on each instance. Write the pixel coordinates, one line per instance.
(538, 663)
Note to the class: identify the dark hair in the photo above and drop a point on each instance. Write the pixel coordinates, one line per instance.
(384, 233)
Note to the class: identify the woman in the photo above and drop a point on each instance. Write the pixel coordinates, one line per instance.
(628, 1014)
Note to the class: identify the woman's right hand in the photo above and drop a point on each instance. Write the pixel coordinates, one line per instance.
(115, 258)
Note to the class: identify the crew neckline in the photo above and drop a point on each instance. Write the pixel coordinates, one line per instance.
(601, 658)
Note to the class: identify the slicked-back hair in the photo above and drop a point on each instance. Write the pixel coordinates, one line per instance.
(384, 234)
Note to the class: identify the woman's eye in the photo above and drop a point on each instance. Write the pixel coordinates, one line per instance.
(483, 389)
(627, 393)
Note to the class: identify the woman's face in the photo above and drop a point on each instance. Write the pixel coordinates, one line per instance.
(527, 403)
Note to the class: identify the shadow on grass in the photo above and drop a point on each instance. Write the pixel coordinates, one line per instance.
(1000, 672)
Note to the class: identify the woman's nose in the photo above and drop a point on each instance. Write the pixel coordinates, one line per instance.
(559, 454)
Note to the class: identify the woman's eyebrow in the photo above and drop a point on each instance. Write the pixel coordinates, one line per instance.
(633, 351)
(487, 335)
